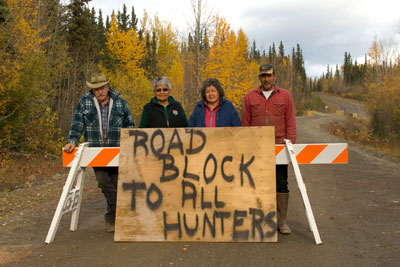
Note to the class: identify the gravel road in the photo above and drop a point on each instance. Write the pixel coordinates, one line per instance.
(356, 207)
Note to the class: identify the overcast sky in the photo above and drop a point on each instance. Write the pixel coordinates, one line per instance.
(324, 29)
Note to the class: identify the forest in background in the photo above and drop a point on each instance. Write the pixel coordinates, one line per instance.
(376, 82)
(48, 49)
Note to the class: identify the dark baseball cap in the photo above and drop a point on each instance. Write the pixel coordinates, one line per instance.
(266, 69)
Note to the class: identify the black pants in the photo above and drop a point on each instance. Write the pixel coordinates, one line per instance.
(282, 179)
(107, 178)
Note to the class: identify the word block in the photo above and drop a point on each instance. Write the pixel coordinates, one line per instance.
(197, 184)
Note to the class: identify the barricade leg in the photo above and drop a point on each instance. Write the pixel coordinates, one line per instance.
(303, 191)
(66, 202)
(78, 199)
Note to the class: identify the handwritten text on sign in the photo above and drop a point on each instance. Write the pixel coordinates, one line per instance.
(197, 184)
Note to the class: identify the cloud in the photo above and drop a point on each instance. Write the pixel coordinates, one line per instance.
(325, 31)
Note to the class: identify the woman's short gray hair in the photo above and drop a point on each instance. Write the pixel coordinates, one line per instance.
(161, 80)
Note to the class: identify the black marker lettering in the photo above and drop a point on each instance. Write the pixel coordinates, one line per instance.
(139, 142)
(211, 178)
(218, 204)
(211, 226)
(223, 215)
(192, 150)
(178, 144)
(226, 177)
(256, 223)
(186, 174)
(239, 235)
(204, 205)
(172, 226)
(270, 223)
(168, 167)
(153, 205)
(185, 195)
(243, 169)
(158, 151)
(191, 231)
(134, 187)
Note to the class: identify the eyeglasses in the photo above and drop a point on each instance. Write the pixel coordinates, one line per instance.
(162, 89)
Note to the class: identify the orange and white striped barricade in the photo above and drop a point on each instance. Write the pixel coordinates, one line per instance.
(84, 156)
(335, 153)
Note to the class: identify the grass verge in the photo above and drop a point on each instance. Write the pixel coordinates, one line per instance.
(21, 170)
(358, 131)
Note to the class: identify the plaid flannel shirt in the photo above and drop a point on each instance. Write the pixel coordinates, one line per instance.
(86, 120)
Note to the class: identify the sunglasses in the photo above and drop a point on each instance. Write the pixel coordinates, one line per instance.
(162, 89)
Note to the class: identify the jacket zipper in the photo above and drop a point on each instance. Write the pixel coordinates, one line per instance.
(166, 117)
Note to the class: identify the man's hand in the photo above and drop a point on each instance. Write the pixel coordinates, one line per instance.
(69, 148)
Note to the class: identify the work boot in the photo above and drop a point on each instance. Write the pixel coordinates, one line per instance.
(110, 227)
(282, 200)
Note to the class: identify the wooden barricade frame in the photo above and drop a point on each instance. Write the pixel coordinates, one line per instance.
(84, 156)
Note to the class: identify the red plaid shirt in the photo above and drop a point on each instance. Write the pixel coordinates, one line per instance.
(277, 111)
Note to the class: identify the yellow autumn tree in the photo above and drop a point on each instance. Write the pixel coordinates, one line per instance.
(384, 94)
(26, 122)
(128, 77)
(168, 55)
(228, 61)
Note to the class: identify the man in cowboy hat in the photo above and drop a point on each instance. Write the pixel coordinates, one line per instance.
(100, 114)
(271, 105)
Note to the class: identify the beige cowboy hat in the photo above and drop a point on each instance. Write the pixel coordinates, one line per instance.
(97, 80)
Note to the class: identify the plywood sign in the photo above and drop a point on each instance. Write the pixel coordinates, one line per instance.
(197, 184)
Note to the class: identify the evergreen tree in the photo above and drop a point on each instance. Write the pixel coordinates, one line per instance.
(153, 57)
(123, 19)
(328, 73)
(93, 16)
(80, 28)
(150, 60)
(104, 56)
(337, 72)
(4, 12)
(281, 50)
(254, 52)
(270, 54)
(134, 20)
(273, 50)
(100, 22)
(83, 46)
(108, 24)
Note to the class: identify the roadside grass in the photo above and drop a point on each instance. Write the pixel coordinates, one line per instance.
(23, 170)
(358, 131)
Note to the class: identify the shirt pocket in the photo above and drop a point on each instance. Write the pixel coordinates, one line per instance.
(117, 119)
(90, 117)
(279, 108)
(256, 109)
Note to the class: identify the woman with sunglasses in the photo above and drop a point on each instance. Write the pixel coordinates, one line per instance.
(162, 111)
(214, 110)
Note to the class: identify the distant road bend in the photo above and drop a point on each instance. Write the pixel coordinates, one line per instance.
(349, 106)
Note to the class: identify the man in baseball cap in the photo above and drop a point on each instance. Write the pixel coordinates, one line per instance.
(271, 105)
